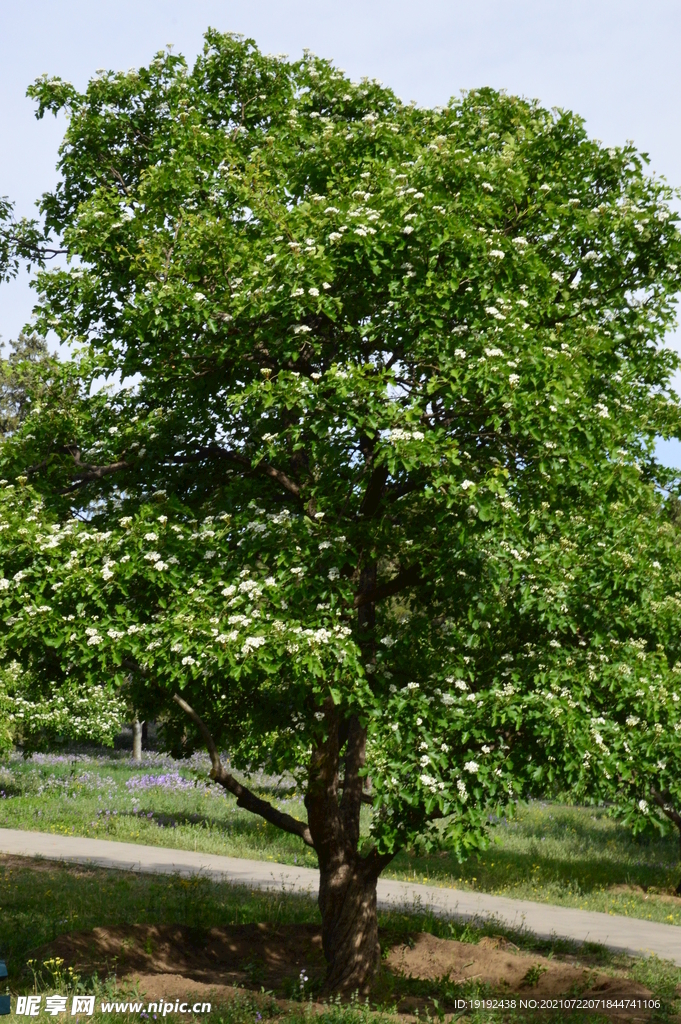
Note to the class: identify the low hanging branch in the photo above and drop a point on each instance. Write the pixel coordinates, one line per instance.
(407, 578)
(244, 798)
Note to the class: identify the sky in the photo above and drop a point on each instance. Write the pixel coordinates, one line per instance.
(615, 62)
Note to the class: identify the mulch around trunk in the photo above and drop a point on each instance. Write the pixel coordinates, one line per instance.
(175, 962)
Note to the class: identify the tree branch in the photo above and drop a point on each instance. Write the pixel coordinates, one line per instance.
(244, 797)
(355, 758)
(96, 473)
(214, 451)
(374, 492)
(375, 862)
(666, 806)
(403, 580)
(87, 473)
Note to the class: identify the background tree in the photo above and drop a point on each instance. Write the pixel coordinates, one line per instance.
(22, 375)
(366, 356)
(34, 712)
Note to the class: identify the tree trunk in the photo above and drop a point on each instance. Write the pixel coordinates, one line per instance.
(136, 740)
(347, 901)
(664, 802)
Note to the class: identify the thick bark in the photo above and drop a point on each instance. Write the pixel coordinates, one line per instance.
(347, 901)
(347, 881)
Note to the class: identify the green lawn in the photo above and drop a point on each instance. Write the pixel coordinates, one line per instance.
(553, 853)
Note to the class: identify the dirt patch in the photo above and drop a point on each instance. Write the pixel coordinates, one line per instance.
(248, 955)
(652, 894)
(174, 962)
(8, 862)
(504, 968)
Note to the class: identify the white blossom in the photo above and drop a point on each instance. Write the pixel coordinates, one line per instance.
(252, 643)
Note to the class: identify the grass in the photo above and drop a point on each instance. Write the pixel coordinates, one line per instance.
(40, 901)
(552, 853)
(570, 856)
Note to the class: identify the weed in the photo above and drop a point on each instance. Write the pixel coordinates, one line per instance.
(533, 974)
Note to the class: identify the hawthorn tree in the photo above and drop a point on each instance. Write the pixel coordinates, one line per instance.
(368, 364)
(34, 712)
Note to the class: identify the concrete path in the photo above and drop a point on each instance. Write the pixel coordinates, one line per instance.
(622, 933)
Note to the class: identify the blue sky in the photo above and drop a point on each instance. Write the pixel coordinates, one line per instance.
(613, 61)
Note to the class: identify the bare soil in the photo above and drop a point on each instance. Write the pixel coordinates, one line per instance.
(507, 970)
(170, 961)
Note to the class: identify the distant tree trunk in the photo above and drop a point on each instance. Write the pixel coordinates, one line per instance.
(664, 802)
(136, 740)
(145, 736)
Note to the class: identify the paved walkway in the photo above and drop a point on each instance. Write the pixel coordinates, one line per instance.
(623, 933)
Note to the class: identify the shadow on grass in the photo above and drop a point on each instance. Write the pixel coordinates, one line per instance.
(573, 851)
(255, 832)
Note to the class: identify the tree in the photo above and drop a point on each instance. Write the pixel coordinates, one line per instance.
(22, 374)
(363, 357)
(32, 713)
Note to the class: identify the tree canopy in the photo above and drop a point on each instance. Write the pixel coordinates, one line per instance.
(354, 388)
